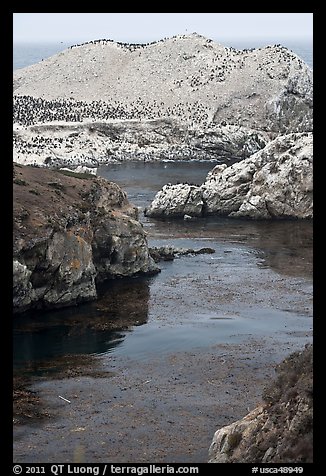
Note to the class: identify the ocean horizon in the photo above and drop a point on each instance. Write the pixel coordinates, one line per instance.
(26, 54)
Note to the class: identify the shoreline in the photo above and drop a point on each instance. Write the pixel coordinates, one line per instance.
(164, 406)
(149, 411)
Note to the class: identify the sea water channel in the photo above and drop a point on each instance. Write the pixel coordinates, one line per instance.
(185, 352)
(196, 300)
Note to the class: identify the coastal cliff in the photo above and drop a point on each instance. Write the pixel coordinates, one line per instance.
(69, 234)
(280, 429)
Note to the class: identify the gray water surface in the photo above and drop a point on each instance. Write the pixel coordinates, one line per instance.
(258, 283)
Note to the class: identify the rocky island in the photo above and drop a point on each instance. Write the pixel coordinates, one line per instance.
(90, 105)
(179, 98)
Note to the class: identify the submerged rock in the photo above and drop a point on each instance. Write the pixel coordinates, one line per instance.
(279, 430)
(69, 234)
(169, 252)
(276, 182)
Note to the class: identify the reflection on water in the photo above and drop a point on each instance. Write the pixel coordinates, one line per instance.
(142, 180)
(90, 328)
(284, 246)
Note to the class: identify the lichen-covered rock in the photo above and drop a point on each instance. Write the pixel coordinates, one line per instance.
(70, 233)
(276, 182)
(228, 438)
(70, 274)
(120, 248)
(23, 292)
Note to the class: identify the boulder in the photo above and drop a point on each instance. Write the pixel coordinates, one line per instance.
(176, 201)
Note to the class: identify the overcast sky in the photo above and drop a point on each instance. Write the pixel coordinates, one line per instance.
(143, 27)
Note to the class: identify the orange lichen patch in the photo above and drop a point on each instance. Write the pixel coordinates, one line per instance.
(83, 234)
(36, 222)
(75, 264)
(80, 240)
(115, 213)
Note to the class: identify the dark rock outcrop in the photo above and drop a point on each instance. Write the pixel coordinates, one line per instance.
(70, 233)
(280, 429)
(169, 252)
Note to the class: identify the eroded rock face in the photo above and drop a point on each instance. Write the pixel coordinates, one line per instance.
(276, 182)
(279, 430)
(70, 233)
(120, 248)
(292, 108)
(145, 140)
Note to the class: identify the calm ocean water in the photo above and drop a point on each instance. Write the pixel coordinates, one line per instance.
(25, 54)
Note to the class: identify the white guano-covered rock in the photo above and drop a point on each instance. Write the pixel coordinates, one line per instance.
(276, 182)
(82, 146)
(282, 186)
(189, 76)
(177, 201)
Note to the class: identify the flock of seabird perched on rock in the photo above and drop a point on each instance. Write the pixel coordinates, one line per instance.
(131, 46)
(186, 77)
(28, 110)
